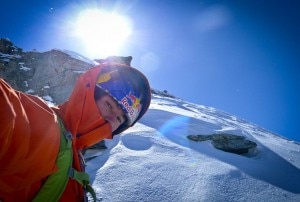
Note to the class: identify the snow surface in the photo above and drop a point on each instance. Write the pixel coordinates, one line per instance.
(154, 161)
(7, 57)
(22, 67)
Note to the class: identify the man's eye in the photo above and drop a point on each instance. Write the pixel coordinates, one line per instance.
(119, 119)
(109, 105)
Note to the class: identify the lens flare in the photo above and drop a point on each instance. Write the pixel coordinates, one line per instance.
(176, 130)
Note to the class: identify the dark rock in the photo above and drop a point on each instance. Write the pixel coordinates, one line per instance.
(163, 93)
(227, 142)
(232, 143)
(199, 137)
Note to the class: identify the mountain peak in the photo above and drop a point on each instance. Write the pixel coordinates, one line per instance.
(7, 47)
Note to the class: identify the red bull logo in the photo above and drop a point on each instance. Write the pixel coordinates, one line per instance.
(128, 108)
(132, 106)
(135, 102)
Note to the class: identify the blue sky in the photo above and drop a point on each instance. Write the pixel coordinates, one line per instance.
(238, 56)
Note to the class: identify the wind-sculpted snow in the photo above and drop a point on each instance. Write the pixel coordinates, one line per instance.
(155, 161)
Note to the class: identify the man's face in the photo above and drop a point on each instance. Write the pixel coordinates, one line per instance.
(111, 111)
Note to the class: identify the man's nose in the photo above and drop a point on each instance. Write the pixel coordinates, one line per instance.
(113, 115)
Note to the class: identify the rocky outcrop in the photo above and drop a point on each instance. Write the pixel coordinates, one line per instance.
(227, 142)
(7, 47)
(119, 59)
(51, 74)
(163, 93)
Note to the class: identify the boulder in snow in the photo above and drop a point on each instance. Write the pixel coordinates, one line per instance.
(227, 142)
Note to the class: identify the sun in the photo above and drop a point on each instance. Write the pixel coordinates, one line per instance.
(101, 32)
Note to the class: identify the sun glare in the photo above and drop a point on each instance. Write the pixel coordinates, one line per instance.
(102, 32)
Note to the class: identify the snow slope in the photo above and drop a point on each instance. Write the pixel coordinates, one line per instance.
(154, 161)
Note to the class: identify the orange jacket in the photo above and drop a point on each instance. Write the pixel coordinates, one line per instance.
(29, 144)
(30, 137)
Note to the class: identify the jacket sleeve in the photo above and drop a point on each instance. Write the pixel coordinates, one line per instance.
(29, 143)
(13, 128)
(8, 113)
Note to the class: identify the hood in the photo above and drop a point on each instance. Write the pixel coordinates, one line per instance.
(80, 113)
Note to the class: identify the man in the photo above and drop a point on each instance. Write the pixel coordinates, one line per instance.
(106, 100)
